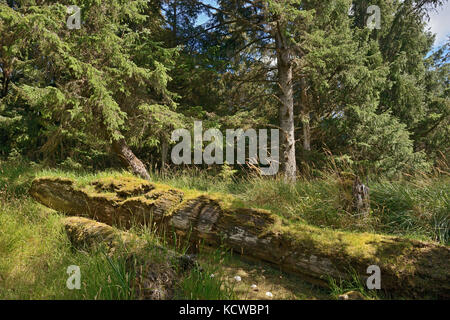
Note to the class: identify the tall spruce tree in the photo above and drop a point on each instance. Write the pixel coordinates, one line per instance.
(101, 79)
(261, 30)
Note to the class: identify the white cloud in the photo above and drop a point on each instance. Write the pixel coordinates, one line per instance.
(440, 23)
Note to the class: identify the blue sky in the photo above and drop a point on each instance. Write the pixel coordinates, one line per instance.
(439, 22)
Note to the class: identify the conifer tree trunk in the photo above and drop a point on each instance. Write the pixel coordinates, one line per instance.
(305, 117)
(306, 132)
(128, 158)
(286, 112)
(124, 152)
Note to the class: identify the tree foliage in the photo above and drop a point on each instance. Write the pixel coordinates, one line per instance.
(136, 70)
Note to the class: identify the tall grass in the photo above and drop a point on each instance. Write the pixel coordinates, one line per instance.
(35, 254)
(339, 287)
(416, 207)
(420, 208)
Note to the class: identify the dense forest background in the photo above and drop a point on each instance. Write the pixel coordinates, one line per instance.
(372, 100)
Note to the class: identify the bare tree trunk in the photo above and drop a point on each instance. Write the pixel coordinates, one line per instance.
(305, 117)
(286, 112)
(174, 24)
(306, 131)
(121, 148)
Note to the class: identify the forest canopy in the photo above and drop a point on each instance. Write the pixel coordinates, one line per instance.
(371, 98)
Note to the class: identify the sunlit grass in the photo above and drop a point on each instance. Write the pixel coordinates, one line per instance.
(35, 254)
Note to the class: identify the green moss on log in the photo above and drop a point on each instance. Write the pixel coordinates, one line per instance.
(408, 267)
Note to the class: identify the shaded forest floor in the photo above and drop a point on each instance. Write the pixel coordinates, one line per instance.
(35, 252)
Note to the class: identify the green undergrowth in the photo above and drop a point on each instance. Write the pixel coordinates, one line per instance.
(354, 284)
(35, 252)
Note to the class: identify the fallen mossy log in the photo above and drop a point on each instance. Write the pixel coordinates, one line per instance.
(89, 234)
(155, 269)
(408, 268)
